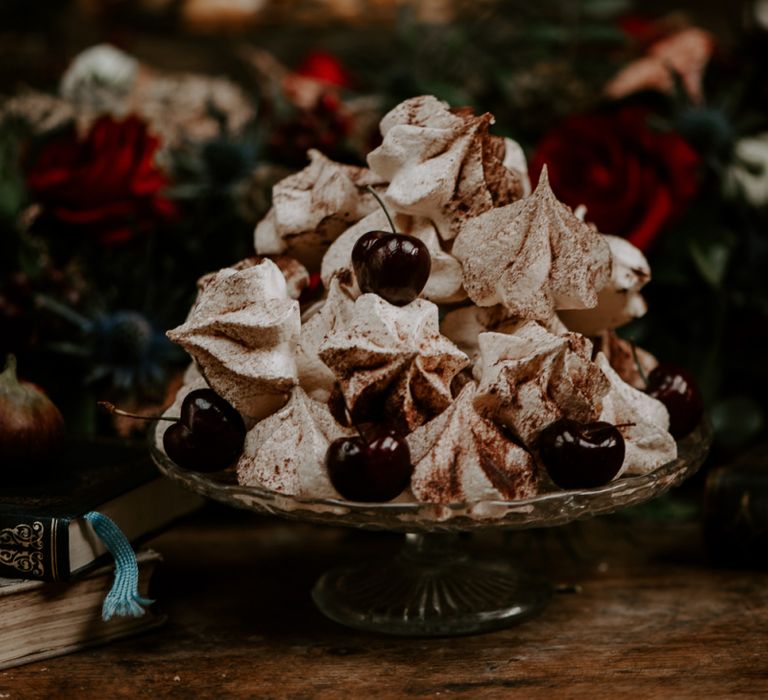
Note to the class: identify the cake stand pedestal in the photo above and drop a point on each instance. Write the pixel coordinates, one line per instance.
(433, 587)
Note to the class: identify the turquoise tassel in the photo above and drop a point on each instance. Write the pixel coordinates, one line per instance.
(124, 599)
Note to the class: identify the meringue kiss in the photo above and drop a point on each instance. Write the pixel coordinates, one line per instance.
(581, 455)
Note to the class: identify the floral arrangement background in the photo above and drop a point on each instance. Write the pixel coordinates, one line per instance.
(121, 183)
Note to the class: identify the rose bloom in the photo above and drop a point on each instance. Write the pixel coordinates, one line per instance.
(106, 184)
(631, 179)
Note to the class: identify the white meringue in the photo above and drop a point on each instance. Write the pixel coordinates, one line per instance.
(397, 353)
(312, 207)
(286, 451)
(242, 332)
(632, 364)
(337, 309)
(464, 325)
(619, 301)
(295, 274)
(533, 256)
(442, 164)
(514, 160)
(462, 457)
(531, 378)
(644, 420)
(444, 285)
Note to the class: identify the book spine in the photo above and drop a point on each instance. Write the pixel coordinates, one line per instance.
(34, 547)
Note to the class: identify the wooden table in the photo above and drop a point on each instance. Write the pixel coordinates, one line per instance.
(650, 619)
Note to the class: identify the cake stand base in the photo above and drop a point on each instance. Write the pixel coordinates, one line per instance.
(432, 588)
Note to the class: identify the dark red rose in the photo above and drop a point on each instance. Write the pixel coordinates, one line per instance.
(632, 179)
(107, 183)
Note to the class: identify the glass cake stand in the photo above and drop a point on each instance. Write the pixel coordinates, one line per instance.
(433, 587)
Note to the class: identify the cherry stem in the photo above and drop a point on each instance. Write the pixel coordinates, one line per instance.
(384, 207)
(640, 369)
(114, 410)
(349, 415)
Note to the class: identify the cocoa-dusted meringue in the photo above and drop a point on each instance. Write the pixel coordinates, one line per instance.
(464, 325)
(395, 354)
(531, 378)
(644, 421)
(285, 452)
(314, 375)
(514, 160)
(444, 285)
(632, 364)
(312, 207)
(442, 164)
(295, 274)
(461, 456)
(619, 301)
(242, 331)
(532, 256)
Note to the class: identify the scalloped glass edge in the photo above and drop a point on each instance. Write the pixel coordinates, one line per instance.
(547, 509)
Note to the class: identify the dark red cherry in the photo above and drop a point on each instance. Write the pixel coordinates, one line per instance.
(370, 472)
(677, 390)
(396, 267)
(581, 455)
(363, 247)
(208, 436)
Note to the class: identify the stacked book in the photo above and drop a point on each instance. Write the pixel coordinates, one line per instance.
(55, 570)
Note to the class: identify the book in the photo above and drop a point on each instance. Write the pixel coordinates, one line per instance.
(45, 619)
(43, 534)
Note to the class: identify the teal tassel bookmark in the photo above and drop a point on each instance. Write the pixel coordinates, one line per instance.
(124, 599)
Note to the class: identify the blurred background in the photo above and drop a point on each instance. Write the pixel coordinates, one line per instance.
(139, 140)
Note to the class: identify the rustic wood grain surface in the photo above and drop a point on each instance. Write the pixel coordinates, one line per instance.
(651, 618)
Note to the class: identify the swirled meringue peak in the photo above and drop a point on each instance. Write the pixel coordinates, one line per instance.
(396, 356)
(619, 301)
(295, 274)
(312, 207)
(286, 451)
(531, 378)
(442, 164)
(533, 256)
(464, 325)
(461, 456)
(242, 331)
(632, 363)
(444, 285)
(644, 421)
(314, 375)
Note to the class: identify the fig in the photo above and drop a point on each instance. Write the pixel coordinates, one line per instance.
(31, 427)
